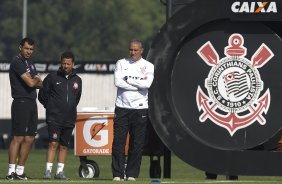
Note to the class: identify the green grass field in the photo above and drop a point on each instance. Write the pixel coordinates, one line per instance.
(180, 172)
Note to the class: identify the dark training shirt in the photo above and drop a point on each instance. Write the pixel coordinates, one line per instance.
(18, 67)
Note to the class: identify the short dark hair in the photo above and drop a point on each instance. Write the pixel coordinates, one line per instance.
(28, 40)
(136, 41)
(67, 54)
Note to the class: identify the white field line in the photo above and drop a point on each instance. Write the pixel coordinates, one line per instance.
(166, 182)
(56, 181)
(232, 181)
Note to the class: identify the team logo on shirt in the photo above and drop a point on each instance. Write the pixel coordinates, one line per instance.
(55, 136)
(234, 86)
(143, 69)
(75, 85)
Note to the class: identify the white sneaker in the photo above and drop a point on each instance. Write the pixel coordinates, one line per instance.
(117, 179)
(60, 176)
(131, 179)
(47, 175)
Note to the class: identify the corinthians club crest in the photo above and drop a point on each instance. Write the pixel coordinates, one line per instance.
(234, 86)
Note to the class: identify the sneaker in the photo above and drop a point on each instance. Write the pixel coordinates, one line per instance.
(21, 177)
(12, 176)
(118, 179)
(61, 176)
(131, 179)
(47, 175)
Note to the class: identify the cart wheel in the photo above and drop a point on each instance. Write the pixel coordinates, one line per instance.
(93, 170)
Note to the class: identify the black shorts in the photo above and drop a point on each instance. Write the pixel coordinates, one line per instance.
(24, 117)
(59, 134)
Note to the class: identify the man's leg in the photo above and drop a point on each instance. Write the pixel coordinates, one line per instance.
(51, 153)
(24, 150)
(62, 155)
(53, 139)
(24, 126)
(137, 130)
(65, 137)
(14, 148)
(23, 154)
(13, 154)
(19, 120)
(63, 150)
(119, 141)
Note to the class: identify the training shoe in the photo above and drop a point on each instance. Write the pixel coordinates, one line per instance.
(12, 176)
(47, 175)
(21, 177)
(118, 179)
(131, 179)
(61, 176)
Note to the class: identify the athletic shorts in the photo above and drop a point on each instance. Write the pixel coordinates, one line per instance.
(60, 134)
(24, 117)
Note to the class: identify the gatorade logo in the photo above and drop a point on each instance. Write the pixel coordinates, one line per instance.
(95, 131)
(254, 7)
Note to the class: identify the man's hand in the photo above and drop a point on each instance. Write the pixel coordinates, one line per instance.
(37, 77)
(39, 83)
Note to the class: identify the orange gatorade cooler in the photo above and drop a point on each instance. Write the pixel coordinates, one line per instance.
(94, 133)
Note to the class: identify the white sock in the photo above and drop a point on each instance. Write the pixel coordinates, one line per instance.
(19, 169)
(12, 168)
(60, 168)
(49, 166)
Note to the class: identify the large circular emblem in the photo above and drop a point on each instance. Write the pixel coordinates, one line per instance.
(221, 92)
(234, 84)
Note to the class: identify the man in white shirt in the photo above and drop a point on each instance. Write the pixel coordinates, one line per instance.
(133, 78)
